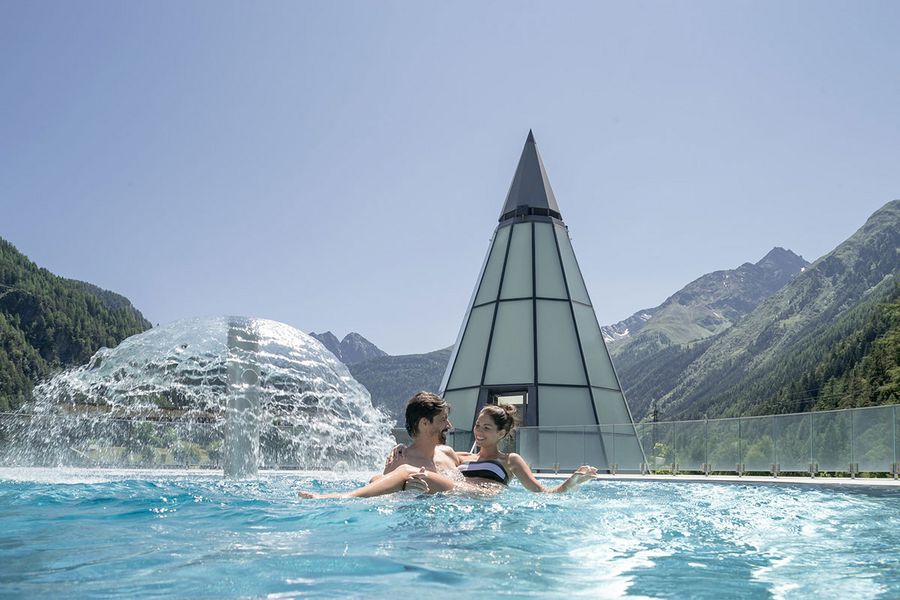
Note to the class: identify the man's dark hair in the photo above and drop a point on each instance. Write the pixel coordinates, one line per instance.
(423, 404)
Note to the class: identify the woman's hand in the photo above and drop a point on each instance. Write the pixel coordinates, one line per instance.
(395, 455)
(582, 474)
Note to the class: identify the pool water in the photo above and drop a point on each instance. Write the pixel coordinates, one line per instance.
(67, 533)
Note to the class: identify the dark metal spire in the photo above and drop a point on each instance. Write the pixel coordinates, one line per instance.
(530, 192)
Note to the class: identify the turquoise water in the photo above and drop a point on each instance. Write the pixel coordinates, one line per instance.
(67, 533)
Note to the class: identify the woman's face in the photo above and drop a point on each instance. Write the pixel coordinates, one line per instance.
(486, 432)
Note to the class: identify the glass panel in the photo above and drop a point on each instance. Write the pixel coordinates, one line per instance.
(490, 280)
(831, 440)
(511, 359)
(756, 443)
(460, 440)
(517, 280)
(599, 365)
(647, 435)
(723, 447)
(610, 406)
(573, 274)
(470, 358)
(559, 359)
(570, 447)
(594, 453)
(690, 445)
(873, 439)
(622, 447)
(462, 407)
(527, 445)
(792, 443)
(659, 444)
(564, 406)
(547, 449)
(548, 269)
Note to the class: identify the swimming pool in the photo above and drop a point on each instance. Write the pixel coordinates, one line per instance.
(80, 533)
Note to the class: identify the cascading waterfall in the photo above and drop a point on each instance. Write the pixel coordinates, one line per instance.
(234, 392)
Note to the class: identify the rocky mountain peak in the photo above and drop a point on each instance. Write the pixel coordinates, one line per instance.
(330, 341)
(782, 264)
(355, 348)
(352, 349)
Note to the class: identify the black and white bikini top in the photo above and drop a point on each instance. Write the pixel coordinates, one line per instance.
(486, 469)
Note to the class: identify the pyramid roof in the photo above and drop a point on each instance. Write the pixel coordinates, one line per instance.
(530, 188)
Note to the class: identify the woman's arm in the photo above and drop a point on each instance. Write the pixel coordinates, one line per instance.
(523, 473)
(404, 477)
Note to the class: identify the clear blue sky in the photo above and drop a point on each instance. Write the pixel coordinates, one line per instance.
(341, 165)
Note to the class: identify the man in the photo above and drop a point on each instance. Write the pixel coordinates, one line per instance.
(427, 465)
(427, 423)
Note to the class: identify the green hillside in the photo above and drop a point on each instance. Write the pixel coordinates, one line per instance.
(391, 380)
(861, 366)
(761, 359)
(48, 322)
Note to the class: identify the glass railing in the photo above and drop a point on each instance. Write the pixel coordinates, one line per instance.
(851, 441)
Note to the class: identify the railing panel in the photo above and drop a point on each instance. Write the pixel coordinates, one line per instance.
(627, 454)
(724, 445)
(873, 439)
(757, 447)
(831, 435)
(690, 445)
(594, 440)
(793, 444)
(527, 445)
(547, 449)
(645, 433)
(661, 451)
(570, 451)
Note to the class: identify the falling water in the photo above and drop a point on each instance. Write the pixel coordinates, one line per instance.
(233, 392)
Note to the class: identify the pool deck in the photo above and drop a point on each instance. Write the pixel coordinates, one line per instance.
(882, 482)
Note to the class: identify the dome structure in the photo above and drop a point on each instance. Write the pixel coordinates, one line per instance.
(287, 387)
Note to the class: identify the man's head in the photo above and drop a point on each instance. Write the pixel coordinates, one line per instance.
(428, 414)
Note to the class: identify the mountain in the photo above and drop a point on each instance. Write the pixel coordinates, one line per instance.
(746, 368)
(654, 345)
(392, 380)
(353, 349)
(49, 322)
(707, 305)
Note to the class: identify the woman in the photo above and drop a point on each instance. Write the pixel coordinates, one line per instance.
(491, 470)
(488, 471)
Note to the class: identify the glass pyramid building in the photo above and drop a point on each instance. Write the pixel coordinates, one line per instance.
(530, 336)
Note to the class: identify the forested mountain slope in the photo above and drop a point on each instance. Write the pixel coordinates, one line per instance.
(746, 369)
(48, 322)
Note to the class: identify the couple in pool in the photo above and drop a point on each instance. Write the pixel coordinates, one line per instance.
(428, 465)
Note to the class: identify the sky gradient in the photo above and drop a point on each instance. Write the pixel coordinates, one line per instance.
(341, 165)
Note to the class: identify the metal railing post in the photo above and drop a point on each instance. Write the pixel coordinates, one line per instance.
(852, 444)
(707, 467)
